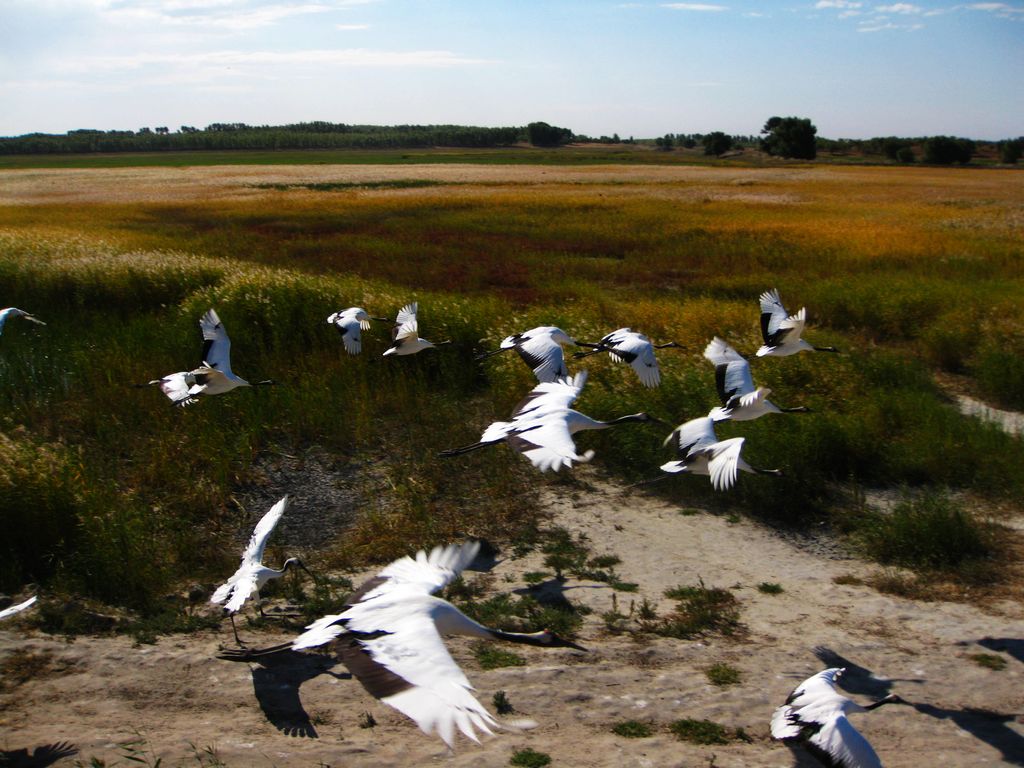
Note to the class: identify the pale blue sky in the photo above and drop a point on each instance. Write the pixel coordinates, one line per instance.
(856, 68)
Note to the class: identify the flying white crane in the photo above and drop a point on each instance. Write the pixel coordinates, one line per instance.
(740, 401)
(214, 376)
(704, 454)
(815, 715)
(252, 575)
(393, 625)
(351, 323)
(628, 346)
(15, 312)
(781, 331)
(541, 349)
(406, 333)
(543, 425)
(18, 608)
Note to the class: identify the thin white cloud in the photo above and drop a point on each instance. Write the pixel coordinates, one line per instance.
(901, 8)
(703, 7)
(346, 57)
(351, 27)
(821, 4)
(1001, 8)
(887, 26)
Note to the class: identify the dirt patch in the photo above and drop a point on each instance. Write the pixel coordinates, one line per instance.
(175, 699)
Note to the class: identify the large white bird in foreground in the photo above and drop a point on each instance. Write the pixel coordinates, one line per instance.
(15, 312)
(351, 323)
(628, 346)
(406, 333)
(543, 425)
(781, 331)
(214, 376)
(18, 608)
(815, 715)
(740, 400)
(392, 627)
(541, 349)
(252, 575)
(704, 454)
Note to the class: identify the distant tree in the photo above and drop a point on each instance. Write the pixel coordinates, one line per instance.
(905, 154)
(944, 150)
(790, 137)
(664, 142)
(615, 138)
(1010, 151)
(163, 129)
(689, 142)
(144, 130)
(717, 143)
(544, 135)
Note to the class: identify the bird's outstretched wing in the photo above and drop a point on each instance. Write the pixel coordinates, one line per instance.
(422, 574)
(350, 328)
(693, 436)
(732, 372)
(772, 313)
(635, 349)
(839, 742)
(18, 608)
(406, 315)
(216, 344)
(547, 442)
(541, 352)
(723, 465)
(550, 395)
(424, 682)
(178, 386)
(261, 533)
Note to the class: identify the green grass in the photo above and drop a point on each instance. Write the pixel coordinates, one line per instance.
(108, 492)
(700, 731)
(489, 656)
(722, 674)
(530, 758)
(989, 661)
(770, 588)
(699, 611)
(633, 729)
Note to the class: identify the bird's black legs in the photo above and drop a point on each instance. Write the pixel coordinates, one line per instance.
(464, 449)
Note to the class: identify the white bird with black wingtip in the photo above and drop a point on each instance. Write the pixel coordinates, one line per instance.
(252, 575)
(702, 453)
(627, 346)
(541, 349)
(351, 323)
(15, 312)
(781, 331)
(543, 425)
(740, 400)
(405, 334)
(13, 609)
(814, 715)
(214, 376)
(391, 639)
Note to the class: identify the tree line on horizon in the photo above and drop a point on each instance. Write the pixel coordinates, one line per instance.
(788, 137)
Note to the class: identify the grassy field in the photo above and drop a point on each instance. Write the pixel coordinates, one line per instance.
(109, 492)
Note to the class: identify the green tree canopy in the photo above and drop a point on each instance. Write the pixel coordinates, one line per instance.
(544, 135)
(790, 137)
(717, 143)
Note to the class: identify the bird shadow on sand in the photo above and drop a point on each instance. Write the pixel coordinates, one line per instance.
(48, 754)
(1004, 645)
(857, 679)
(276, 681)
(991, 727)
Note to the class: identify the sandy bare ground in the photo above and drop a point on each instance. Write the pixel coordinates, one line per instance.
(303, 710)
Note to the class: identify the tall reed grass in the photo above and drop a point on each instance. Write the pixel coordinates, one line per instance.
(128, 497)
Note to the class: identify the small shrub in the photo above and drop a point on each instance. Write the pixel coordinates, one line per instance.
(770, 588)
(700, 731)
(501, 703)
(989, 661)
(929, 532)
(533, 578)
(847, 579)
(633, 729)
(722, 674)
(489, 656)
(529, 758)
(700, 610)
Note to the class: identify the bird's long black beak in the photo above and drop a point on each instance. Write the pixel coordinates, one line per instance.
(381, 319)
(485, 355)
